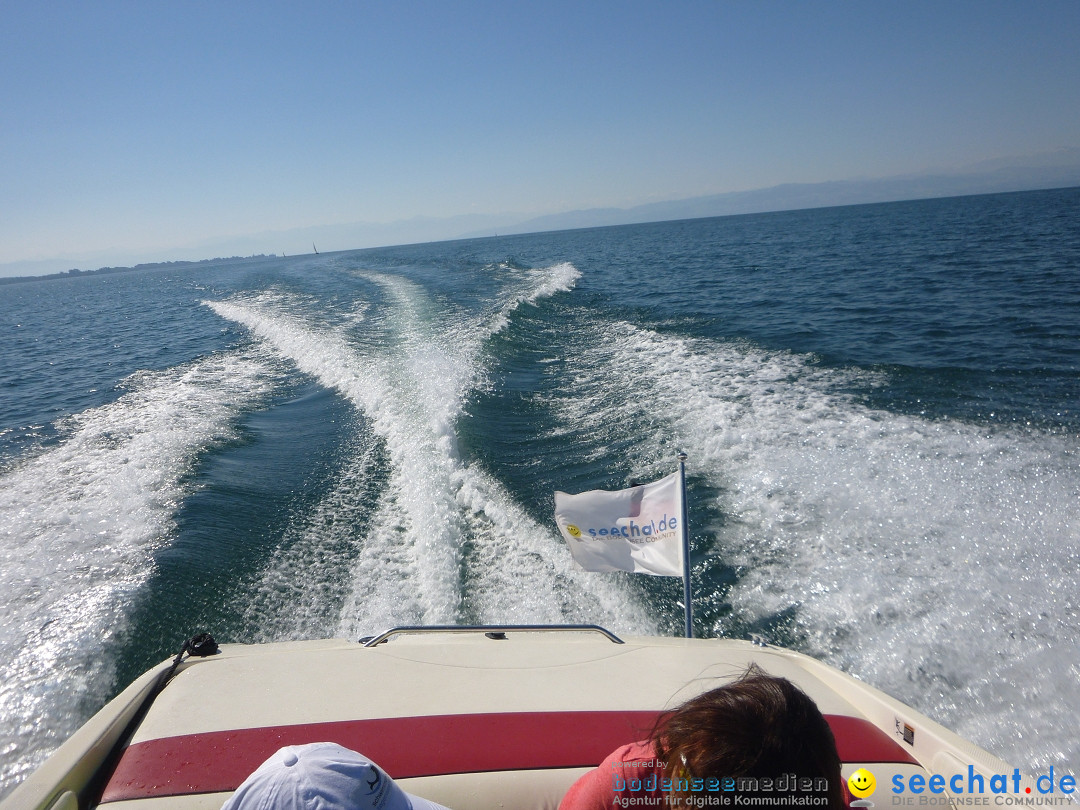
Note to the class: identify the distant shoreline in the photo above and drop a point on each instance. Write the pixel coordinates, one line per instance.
(778, 199)
(103, 271)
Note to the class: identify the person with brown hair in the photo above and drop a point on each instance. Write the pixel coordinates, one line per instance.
(759, 737)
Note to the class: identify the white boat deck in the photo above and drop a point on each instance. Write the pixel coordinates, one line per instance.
(466, 720)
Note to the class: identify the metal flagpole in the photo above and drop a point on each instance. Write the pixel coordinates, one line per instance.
(687, 593)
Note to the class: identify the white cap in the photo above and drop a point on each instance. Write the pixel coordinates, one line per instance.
(322, 776)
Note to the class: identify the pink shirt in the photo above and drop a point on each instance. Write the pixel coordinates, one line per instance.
(631, 774)
(631, 777)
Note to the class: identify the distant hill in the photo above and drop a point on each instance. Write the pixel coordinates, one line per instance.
(1060, 169)
(1052, 170)
(148, 266)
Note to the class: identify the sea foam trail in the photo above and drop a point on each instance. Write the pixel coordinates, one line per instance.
(410, 566)
(79, 525)
(935, 559)
(537, 285)
(520, 572)
(298, 594)
(410, 408)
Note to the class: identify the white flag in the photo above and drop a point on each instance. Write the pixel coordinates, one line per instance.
(637, 529)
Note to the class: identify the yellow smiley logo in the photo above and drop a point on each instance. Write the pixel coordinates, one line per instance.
(862, 783)
(573, 530)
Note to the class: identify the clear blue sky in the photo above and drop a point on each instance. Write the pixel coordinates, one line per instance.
(145, 126)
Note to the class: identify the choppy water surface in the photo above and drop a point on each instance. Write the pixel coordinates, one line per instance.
(879, 403)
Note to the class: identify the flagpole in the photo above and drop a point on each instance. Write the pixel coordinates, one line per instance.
(687, 593)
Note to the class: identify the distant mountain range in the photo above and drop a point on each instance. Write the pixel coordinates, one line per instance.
(1060, 169)
(1051, 170)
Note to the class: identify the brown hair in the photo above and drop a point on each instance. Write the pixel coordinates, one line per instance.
(758, 734)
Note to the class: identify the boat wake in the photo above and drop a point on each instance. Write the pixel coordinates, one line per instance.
(935, 559)
(79, 525)
(432, 539)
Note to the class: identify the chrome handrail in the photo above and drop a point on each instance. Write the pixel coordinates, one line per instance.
(490, 629)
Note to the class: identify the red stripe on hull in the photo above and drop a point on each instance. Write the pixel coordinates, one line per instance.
(424, 746)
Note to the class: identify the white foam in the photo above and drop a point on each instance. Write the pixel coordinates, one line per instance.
(299, 592)
(411, 395)
(411, 566)
(520, 571)
(933, 558)
(79, 525)
(533, 287)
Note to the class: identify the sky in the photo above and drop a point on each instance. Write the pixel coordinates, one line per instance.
(159, 129)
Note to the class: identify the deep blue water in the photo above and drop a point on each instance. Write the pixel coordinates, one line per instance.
(880, 404)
